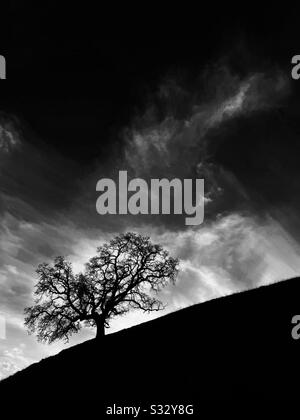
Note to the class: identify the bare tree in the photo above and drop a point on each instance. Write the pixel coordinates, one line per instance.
(125, 274)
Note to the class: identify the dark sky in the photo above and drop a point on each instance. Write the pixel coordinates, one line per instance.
(159, 91)
(77, 72)
(101, 64)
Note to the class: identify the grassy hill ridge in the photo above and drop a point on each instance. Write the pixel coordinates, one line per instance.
(237, 346)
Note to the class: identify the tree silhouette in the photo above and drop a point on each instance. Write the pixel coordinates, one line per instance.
(125, 274)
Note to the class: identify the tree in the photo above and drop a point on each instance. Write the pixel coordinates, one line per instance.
(125, 274)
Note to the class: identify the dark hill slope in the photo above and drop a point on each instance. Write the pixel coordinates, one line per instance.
(239, 346)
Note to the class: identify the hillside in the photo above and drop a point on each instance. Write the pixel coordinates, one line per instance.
(239, 346)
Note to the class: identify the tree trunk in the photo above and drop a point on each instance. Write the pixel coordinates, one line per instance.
(100, 328)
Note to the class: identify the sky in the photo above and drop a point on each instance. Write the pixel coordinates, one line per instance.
(77, 107)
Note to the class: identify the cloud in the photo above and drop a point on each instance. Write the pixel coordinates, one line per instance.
(9, 136)
(12, 360)
(36, 182)
(175, 145)
(186, 144)
(230, 254)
